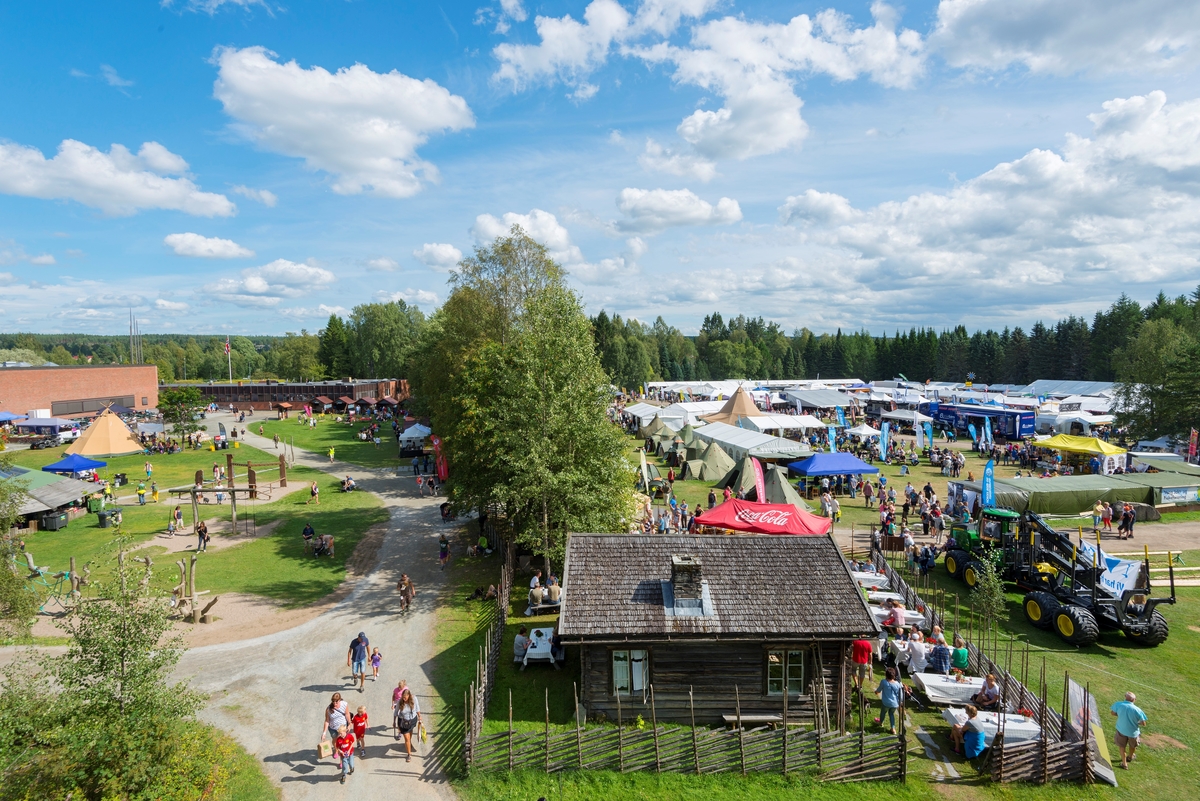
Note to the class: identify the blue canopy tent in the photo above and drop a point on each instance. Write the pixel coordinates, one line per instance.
(120, 410)
(8, 417)
(52, 425)
(831, 464)
(73, 464)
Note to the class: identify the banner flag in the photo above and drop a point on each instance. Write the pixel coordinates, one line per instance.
(760, 483)
(1192, 446)
(929, 433)
(920, 436)
(645, 473)
(987, 429)
(974, 433)
(1083, 712)
(989, 484)
(832, 439)
(841, 416)
(884, 430)
(439, 459)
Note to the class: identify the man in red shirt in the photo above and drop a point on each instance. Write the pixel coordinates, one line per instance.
(344, 745)
(861, 652)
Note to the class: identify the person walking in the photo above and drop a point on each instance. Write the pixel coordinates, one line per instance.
(314, 494)
(178, 515)
(359, 722)
(890, 691)
(154, 491)
(356, 660)
(276, 439)
(141, 493)
(409, 714)
(1130, 720)
(443, 550)
(407, 592)
(861, 652)
(397, 694)
(1106, 517)
(336, 718)
(343, 746)
(331, 455)
(149, 470)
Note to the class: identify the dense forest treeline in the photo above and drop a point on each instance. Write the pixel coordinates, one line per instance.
(378, 340)
(750, 347)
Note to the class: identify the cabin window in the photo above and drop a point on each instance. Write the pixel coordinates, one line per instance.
(785, 666)
(630, 672)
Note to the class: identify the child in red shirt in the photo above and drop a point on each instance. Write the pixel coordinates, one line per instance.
(360, 730)
(344, 747)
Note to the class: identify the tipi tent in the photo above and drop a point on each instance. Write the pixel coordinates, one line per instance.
(714, 463)
(655, 426)
(780, 491)
(739, 405)
(106, 436)
(740, 478)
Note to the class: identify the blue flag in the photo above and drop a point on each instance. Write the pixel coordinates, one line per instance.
(989, 484)
(832, 438)
(883, 439)
(974, 433)
(841, 415)
(987, 429)
(929, 433)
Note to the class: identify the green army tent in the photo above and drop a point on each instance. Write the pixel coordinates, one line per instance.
(713, 463)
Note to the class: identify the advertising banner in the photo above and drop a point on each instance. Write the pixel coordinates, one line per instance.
(1083, 712)
(841, 416)
(439, 459)
(760, 483)
(832, 433)
(989, 484)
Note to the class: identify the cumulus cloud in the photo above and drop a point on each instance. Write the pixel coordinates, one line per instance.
(540, 225)
(117, 182)
(322, 310)
(438, 255)
(360, 126)
(162, 304)
(383, 265)
(12, 253)
(653, 210)
(417, 297)
(45, 258)
(108, 300)
(271, 283)
(657, 158)
(263, 196)
(1119, 208)
(1068, 36)
(204, 247)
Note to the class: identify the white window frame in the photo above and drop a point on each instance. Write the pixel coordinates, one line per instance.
(626, 679)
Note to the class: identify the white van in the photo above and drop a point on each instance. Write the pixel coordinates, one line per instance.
(68, 435)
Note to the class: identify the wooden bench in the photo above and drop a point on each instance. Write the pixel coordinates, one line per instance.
(753, 720)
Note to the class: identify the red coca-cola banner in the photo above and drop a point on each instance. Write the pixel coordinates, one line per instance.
(764, 518)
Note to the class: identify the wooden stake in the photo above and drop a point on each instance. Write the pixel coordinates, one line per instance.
(620, 732)
(578, 731)
(547, 730)
(510, 731)
(695, 743)
(737, 699)
(785, 730)
(654, 723)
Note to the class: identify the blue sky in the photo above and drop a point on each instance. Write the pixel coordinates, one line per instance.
(250, 167)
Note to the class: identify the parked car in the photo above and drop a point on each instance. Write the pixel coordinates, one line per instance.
(67, 435)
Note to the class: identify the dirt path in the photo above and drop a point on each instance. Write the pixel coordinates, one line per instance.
(270, 692)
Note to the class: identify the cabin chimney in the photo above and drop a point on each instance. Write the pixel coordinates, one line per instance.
(685, 580)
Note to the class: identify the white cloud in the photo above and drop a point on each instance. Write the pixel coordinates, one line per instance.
(654, 210)
(45, 258)
(363, 127)
(438, 255)
(263, 196)
(637, 247)
(163, 304)
(12, 253)
(383, 265)
(417, 297)
(1119, 209)
(1068, 36)
(540, 225)
(111, 77)
(321, 310)
(117, 182)
(269, 284)
(514, 9)
(110, 301)
(7, 277)
(206, 247)
(210, 6)
(657, 158)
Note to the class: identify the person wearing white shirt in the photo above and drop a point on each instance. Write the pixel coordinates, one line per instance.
(536, 581)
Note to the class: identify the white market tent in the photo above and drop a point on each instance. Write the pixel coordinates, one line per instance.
(644, 412)
(677, 415)
(742, 442)
(818, 398)
(907, 416)
(863, 430)
(768, 421)
(414, 435)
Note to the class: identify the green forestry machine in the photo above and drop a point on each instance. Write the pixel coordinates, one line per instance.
(1064, 590)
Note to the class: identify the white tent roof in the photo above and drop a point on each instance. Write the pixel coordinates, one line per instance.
(688, 413)
(781, 422)
(863, 430)
(643, 411)
(415, 431)
(819, 398)
(742, 442)
(906, 416)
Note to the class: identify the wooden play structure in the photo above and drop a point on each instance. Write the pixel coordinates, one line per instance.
(186, 599)
(61, 588)
(203, 489)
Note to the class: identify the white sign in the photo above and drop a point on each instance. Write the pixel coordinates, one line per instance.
(1119, 574)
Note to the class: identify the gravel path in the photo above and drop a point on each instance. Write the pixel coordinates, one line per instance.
(270, 693)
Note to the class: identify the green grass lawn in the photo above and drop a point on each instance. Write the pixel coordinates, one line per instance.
(273, 566)
(343, 438)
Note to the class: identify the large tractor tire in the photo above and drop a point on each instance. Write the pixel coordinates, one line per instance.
(1156, 634)
(1076, 625)
(971, 573)
(1040, 608)
(955, 562)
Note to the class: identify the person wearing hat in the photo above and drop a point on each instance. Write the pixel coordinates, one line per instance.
(356, 660)
(1130, 720)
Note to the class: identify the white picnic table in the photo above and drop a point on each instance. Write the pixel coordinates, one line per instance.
(539, 648)
(940, 689)
(911, 616)
(878, 597)
(871, 580)
(1017, 728)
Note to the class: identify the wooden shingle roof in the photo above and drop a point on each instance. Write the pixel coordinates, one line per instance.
(760, 585)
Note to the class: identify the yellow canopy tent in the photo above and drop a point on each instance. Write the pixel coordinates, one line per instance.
(106, 436)
(1072, 444)
(739, 405)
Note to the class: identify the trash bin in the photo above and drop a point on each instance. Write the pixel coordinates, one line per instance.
(54, 522)
(104, 519)
(95, 504)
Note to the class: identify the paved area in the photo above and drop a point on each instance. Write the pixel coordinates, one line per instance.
(270, 693)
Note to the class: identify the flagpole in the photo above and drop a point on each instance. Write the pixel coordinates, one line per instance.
(229, 359)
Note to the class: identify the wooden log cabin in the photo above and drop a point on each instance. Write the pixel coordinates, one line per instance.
(745, 618)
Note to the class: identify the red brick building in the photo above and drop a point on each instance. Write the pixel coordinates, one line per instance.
(78, 390)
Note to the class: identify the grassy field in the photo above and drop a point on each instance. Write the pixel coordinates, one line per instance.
(273, 566)
(342, 437)
(247, 782)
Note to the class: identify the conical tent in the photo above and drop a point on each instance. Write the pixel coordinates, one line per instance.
(780, 491)
(688, 435)
(655, 426)
(106, 436)
(739, 405)
(740, 478)
(712, 464)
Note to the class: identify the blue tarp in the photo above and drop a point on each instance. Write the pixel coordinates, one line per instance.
(9, 416)
(831, 464)
(73, 464)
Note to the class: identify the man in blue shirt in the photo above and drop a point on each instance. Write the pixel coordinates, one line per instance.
(1129, 726)
(356, 660)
